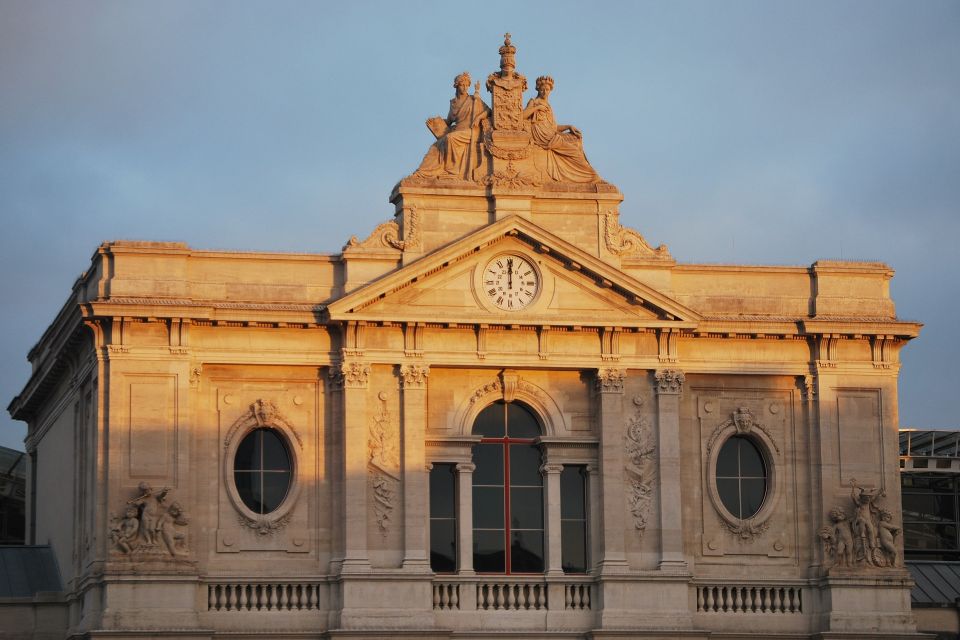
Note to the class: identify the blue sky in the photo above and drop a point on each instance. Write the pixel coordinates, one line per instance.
(739, 132)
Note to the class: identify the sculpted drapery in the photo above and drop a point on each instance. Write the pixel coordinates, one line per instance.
(450, 155)
(566, 160)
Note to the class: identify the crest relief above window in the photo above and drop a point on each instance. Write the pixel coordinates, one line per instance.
(261, 460)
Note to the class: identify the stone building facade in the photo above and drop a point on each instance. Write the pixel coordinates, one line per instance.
(502, 412)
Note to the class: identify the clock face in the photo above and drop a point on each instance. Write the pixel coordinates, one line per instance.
(510, 282)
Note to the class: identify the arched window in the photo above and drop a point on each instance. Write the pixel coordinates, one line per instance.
(507, 491)
(262, 470)
(741, 477)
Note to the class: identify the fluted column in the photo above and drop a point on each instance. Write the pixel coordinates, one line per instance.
(413, 381)
(551, 499)
(669, 385)
(353, 379)
(465, 517)
(609, 388)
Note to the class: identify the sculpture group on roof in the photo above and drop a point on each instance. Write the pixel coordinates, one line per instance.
(507, 145)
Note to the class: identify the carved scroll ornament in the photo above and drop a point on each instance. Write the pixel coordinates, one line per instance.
(387, 235)
(627, 243)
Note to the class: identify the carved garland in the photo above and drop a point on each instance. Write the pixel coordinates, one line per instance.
(640, 474)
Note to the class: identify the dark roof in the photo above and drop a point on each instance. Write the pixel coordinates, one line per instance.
(13, 463)
(27, 569)
(937, 583)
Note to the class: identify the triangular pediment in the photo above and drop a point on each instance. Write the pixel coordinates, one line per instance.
(572, 288)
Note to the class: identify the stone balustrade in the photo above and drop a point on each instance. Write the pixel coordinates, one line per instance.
(744, 599)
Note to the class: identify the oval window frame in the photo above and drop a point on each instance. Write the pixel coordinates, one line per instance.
(263, 415)
(772, 459)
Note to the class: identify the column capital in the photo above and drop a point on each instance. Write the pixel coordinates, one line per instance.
(349, 375)
(414, 376)
(610, 380)
(551, 467)
(465, 467)
(669, 381)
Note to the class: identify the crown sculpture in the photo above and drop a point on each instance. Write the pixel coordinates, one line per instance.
(508, 145)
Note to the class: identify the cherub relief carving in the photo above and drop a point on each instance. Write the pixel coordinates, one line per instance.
(869, 539)
(148, 522)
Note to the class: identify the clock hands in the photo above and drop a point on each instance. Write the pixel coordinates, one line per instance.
(510, 274)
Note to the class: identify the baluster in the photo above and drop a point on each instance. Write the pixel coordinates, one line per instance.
(232, 598)
(481, 598)
(587, 596)
(699, 598)
(282, 588)
(766, 600)
(501, 596)
(578, 596)
(799, 600)
(298, 595)
(708, 599)
(272, 603)
(542, 597)
(781, 600)
(737, 602)
(314, 596)
(436, 596)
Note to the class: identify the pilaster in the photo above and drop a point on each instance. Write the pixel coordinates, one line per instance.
(353, 378)
(668, 386)
(413, 382)
(609, 390)
(551, 472)
(465, 517)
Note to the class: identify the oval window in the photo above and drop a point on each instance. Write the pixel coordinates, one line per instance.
(262, 471)
(741, 477)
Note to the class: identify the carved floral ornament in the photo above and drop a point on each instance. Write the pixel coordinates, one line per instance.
(262, 414)
(669, 381)
(863, 538)
(350, 375)
(743, 422)
(640, 471)
(610, 380)
(383, 446)
(414, 376)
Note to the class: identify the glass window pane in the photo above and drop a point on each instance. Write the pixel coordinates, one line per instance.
(751, 462)
(526, 508)
(489, 551)
(929, 507)
(490, 422)
(752, 491)
(526, 551)
(248, 486)
(275, 485)
(574, 544)
(248, 452)
(727, 460)
(275, 456)
(521, 423)
(525, 465)
(443, 545)
(488, 507)
(489, 461)
(572, 493)
(729, 490)
(929, 536)
(442, 491)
